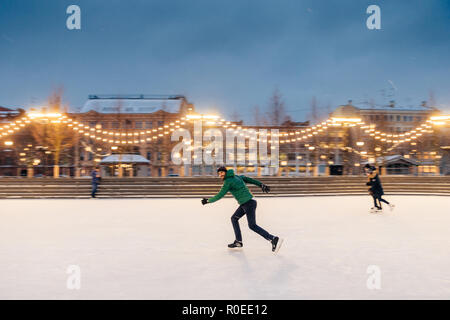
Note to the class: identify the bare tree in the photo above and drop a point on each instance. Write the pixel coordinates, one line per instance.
(235, 116)
(276, 111)
(431, 99)
(314, 114)
(328, 110)
(258, 116)
(54, 137)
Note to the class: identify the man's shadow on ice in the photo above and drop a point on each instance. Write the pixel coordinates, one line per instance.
(239, 254)
(282, 271)
(249, 277)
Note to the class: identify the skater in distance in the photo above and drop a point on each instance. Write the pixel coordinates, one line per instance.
(247, 205)
(95, 174)
(375, 188)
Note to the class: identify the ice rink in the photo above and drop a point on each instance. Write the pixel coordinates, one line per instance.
(176, 249)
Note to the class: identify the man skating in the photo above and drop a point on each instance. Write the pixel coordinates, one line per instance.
(376, 189)
(247, 206)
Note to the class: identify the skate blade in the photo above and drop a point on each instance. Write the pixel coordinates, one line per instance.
(235, 249)
(280, 242)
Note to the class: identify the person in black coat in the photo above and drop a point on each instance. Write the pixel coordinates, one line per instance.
(95, 181)
(375, 187)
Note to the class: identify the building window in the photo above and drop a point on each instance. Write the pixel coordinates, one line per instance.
(159, 156)
(128, 124)
(149, 155)
(391, 118)
(398, 118)
(148, 124)
(160, 123)
(92, 123)
(104, 125)
(429, 169)
(405, 118)
(116, 125)
(138, 124)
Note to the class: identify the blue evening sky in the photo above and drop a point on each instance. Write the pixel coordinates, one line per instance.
(227, 56)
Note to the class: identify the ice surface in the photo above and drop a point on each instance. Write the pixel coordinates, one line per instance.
(176, 249)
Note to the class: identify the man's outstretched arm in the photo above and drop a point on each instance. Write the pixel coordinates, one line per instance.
(223, 191)
(252, 181)
(264, 188)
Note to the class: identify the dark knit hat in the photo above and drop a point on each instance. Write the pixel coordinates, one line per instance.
(222, 169)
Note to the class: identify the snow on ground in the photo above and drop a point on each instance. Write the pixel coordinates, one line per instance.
(176, 249)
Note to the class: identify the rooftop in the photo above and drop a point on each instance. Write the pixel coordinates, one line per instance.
(8, 110)
(133, 103)
(124, 158)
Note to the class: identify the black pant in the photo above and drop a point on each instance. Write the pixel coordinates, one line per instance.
(378, 197)
(248, 208)
(94, 190)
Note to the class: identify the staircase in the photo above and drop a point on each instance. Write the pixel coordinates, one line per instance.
(196, 187)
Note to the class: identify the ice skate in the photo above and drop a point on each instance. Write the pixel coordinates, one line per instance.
(391, 206)
(235, 245)
(276, 244)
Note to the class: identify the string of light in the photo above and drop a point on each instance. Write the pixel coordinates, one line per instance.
(141, 136)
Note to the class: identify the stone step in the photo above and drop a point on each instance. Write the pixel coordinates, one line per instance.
(204, 186)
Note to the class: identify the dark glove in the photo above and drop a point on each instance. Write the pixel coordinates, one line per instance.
(204, 201)
(265, 189)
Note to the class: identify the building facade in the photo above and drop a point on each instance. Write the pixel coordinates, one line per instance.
(146, 121)
(127, 115)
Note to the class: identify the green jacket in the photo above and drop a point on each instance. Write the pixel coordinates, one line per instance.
(236, 185)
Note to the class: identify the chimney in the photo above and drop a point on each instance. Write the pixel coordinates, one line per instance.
(392, 104)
